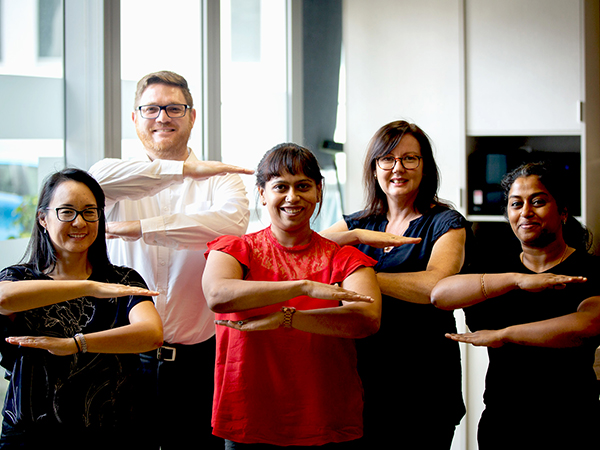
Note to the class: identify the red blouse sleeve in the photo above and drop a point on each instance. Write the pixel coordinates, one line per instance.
(232, 245)
(347, 260)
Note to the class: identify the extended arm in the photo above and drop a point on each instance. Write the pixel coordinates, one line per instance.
(461, 291)
(202, 211)
(340, 234)
(144, 333)
(359, 316)
(16, 296)
(226, 291)
(447, 258)
(570, 330)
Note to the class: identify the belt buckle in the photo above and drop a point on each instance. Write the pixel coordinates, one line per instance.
(162, 357)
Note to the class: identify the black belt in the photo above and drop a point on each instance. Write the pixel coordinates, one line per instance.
(166, 353)
(170, 352)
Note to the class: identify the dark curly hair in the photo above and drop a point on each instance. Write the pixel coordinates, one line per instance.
(574, 233)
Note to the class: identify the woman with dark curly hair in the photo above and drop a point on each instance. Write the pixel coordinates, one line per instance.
(538, 313)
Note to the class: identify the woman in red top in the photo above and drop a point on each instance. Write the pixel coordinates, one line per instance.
(289, 304)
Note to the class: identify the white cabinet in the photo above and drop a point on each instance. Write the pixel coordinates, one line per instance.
(523, 66)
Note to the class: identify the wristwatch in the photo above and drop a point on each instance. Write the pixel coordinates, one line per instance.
(288, 314)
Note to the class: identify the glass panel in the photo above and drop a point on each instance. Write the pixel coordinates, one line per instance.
(147, 45)
(254, 92)
(31, 78)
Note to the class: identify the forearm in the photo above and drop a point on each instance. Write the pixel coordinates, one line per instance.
(348, 321)
(231, 295)
(17, 296)
(347, 237)
(570, 330)
(133, 338)
(125, 179)
(461, 291)
(351, 320)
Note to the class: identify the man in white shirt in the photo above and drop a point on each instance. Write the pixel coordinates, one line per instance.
(161, 212)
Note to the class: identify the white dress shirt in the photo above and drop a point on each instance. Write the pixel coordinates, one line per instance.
(178, 217)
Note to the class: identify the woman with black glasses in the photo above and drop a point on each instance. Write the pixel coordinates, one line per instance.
(411, 373)
(72, 324)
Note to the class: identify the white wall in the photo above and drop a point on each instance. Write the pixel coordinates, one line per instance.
(404, 61)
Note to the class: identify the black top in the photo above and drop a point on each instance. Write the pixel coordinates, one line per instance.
(551, 381)
(409, 363)
(80, 390)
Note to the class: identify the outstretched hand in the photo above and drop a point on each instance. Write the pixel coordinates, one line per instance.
(56, 346)
(382, 239)
(111, 290)
(334, 292)
(542, 281)
(481, 338)
(201, 170)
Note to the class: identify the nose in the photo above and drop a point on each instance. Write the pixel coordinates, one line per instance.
(398, 167)
(162, 116)
(291, 196)
(78, 222)
(526, 210)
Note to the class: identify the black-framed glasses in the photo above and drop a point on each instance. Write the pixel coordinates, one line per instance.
(409, 162)
(153, 111)
(69, 214)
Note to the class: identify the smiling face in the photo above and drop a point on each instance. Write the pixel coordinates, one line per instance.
(70, 237)
(533, 213)
(399, 183)
(291, 201)
(164, 137)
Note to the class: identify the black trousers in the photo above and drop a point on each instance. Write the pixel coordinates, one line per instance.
(179, 382)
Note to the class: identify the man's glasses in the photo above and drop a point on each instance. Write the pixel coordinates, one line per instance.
(70, 214)
(409, 162)
(153, 111)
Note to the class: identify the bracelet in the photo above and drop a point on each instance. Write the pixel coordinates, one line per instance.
(77, 344)
(288, 314)
(483, 291)
(82, 341)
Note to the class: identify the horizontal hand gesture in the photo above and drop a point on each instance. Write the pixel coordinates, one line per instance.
(334, 292)
(111, 290)
(542, 281)
(201, 170)
(381, 239)
(481, 338)
(56, 346)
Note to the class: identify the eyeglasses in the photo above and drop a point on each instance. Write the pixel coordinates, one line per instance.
(153, 111)
(409, 162)
(70, 214)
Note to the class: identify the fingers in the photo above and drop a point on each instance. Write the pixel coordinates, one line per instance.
(354, 297)
(240, 170)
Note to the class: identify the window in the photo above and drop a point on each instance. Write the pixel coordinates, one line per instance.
(156, 38)
(254, 85)
(31, 82)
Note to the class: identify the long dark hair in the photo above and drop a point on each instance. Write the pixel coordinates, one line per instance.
(574, 233)
(381, 144)
(290, 158)
(40, 254)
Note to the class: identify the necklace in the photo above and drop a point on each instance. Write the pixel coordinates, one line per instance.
(562, 258)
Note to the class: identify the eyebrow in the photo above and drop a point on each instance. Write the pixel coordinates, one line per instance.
(535, 194)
